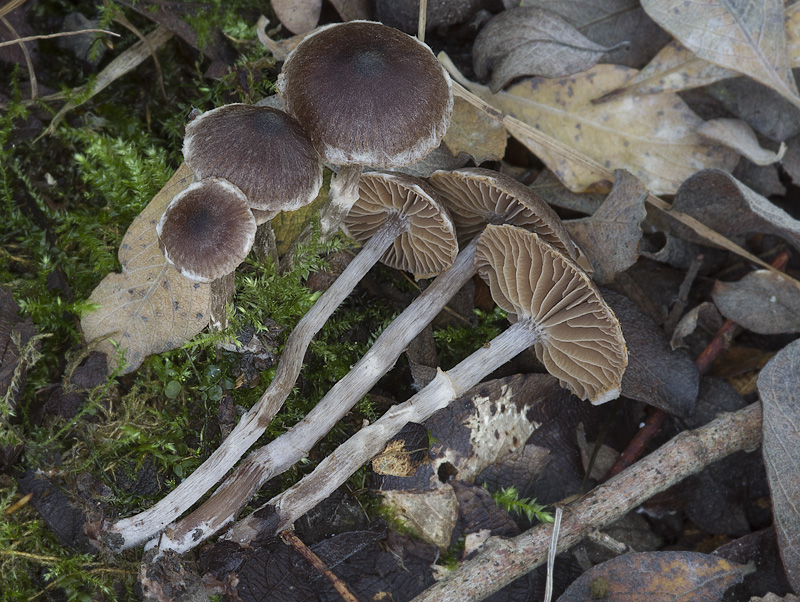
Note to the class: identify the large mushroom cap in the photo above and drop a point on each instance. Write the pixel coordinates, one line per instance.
(428, 246)
(581, 340)
(207, 230)
(477, 197)
(367, 94)
(261, 150)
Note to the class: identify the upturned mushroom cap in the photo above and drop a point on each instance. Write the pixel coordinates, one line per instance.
(367, 94)
(262, 150)
(207, 230)
(428, 246)
(581, 340)
(477, 197)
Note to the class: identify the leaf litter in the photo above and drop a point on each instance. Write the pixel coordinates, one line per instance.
(668, 149)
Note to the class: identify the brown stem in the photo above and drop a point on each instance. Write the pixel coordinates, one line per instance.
(503, 560)
(340, 586)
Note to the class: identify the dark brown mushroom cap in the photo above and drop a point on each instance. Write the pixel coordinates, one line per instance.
(477, 197)
(428, 245)
(207, 230)
(262, 150)
(581, 340)
(367, 94)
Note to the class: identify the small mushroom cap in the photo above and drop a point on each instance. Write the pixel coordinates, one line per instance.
(367, 94)
(477, 197)
(581, 340)
(428, 245)
(207, 230)
(262, 150)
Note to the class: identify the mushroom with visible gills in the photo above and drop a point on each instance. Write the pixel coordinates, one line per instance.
(560, 313)
(472, 194)
(403, 215)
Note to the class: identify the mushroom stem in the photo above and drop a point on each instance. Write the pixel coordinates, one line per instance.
(342, 196)
(130, 531)
(282, 453)
(284, 509)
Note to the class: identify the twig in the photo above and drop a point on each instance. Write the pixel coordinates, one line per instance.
(60, 34)
(713, 350)
(503, 560)
(26, 54)
(423, 18)
(340, 586)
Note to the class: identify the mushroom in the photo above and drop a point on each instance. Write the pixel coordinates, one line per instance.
(412, 220)
(469, 193)
(559, 310)
(262, 150)
(207, 230)
(367, 95)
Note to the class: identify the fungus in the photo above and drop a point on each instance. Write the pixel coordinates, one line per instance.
(367, 95)
(262, 150)
(207, 230)
(412, 213)
(558, 308)
(489, 196)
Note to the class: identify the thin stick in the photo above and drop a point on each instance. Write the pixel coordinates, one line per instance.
(60, 34)
(423, 18)
(503, 560)
(340, 586)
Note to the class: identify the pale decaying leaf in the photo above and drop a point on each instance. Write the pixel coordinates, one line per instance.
(747, 37)
(739, 136)
(609, 22)
(676, 68)
(673, 69)
(529, 41)
(298, 16)
(778, 387)
(473, 132)
(149, 307)
(716, 197)
(657, 576)
(762, 302)
(610, 238)
(652, 136)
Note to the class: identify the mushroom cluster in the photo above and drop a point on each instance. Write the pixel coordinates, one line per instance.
(361, 94)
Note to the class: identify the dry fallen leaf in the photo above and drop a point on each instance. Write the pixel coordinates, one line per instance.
(550, 187)
(609, 22)
(780, 398)
(298, 16)
(610, 238)
(762, 302)
(350, 10)
(656, 374)
(716, 197)
(749, 38)
(149, 307)
(657, 577)
(739, 136)
(527, 41)
(651, 136)
(473, 132)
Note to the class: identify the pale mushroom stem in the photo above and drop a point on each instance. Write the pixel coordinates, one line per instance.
(371, 440)
(131, 531)
(342, 195)
(284, 452)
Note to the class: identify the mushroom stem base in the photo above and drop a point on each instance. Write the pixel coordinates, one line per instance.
(284, 452)
(128, 532)
(370, 441)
